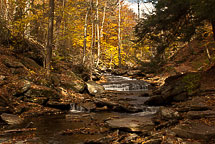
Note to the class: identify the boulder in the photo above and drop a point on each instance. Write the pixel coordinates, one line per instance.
(198, 131)
(41, 94)
(119, 71)
(168, 113)
(2, 77)
(176, 88)
(11, 119)
(59, 105)
(72, 82)
(22, 87)
(13, 64)
(135, 72)
(156, 100)
(55, 79)
(90, 106)
(94, 88)
(96, 76)
(42, 91)
(30, 63)
(29, 48)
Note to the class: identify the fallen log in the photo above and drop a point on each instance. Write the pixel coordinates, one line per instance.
(17, 130)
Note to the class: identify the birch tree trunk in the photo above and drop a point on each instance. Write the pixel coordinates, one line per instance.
(119, 34)
(85, 36)
(91, 53)
(15, 11)
(7, 11)
(50, 37)
(103, 20)
(27, 12)
(98, 33)
(208, 54)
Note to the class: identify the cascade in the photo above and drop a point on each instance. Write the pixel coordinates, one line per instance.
(75, 108)
(120, 83)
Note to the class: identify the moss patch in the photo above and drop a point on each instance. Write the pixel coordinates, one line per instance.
(192, 82)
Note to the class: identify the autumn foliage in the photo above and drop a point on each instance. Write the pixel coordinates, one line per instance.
(29, 19)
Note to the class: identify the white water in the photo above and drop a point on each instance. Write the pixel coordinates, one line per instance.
(113, 78)
(120, 83)
(125, 87)
(148, 111)
(74, 108)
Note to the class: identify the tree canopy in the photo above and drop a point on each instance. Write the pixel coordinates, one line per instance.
(174, 20)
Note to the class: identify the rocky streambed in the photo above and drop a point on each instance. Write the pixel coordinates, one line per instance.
(120, 115)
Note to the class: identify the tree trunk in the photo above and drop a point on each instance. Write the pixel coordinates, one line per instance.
(64, 27)
(208, 54)
(27, 12)
(85, 36)
(138, 7)
(213, 28)
(50, 37)
(15, 11)
(2, 11)
(119, 34)
(98, 33)
(91, 54)
(103, 20)
(58, 30)
(7, 11)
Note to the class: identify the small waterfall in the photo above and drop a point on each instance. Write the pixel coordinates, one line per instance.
(120, 83)
(148, 111)
(75, 108)
(126, 86)
(113, 78)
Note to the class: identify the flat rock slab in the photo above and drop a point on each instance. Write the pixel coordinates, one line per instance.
(200, 114)
(198, 131)
(59, 105)
(132, 124)
(11, 119)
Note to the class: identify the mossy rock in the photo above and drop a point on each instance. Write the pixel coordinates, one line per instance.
(30, 64)
(192, 82)
(13, 64)
(22, 86)
(188, 82)
(42, 91)
(177, 88)
(72, 81)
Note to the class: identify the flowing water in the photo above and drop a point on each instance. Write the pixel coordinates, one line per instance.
(49, 128)
(120, 83)
(75, 108)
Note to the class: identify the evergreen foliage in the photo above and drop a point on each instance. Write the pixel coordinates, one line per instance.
(174, 20)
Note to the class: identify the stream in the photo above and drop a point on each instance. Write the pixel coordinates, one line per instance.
(49, 128)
